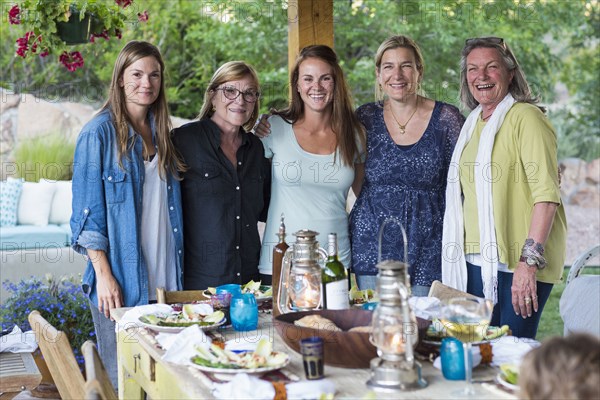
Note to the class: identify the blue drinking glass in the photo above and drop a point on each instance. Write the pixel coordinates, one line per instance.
(453, 360)
(232, 288)
(243, 312)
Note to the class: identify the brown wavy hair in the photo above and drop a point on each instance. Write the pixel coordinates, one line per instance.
(344, 122)
(168, 159)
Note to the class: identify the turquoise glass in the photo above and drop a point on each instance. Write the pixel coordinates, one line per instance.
(243, 312)
(453, 360)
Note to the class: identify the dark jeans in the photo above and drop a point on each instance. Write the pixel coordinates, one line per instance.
(504, 313)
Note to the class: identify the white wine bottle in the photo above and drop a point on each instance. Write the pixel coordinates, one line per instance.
(334, 278)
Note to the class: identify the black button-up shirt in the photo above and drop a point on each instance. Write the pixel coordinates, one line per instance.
(222, 204)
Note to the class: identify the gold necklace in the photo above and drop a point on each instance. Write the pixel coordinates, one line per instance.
(401, 127)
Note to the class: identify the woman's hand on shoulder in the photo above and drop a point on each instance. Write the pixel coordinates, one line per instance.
(262, 127)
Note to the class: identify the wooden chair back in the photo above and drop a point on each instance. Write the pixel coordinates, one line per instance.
(93, 391)
(59, 357)
(444, 292)
(181, 296)
(97, 381)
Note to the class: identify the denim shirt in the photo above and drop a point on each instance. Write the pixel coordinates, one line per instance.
(107, 208)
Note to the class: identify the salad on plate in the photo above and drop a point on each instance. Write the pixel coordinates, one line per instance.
(509, 376)
(190, 314)
(215, 359)
(437, 331)
(261, 292)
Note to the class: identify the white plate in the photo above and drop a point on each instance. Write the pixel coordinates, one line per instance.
(177, 329)
(245, 370)
(500, 379)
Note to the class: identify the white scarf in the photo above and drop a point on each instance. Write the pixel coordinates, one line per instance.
(454, 268)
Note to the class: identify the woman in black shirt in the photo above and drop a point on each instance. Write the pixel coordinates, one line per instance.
(225, 190)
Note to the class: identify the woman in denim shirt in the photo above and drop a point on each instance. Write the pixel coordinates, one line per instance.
(126, 196)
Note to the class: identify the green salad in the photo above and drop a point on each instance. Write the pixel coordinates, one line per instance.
(263, 357)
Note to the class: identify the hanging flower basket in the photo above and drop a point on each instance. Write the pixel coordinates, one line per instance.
(50, 26)
(76, 30)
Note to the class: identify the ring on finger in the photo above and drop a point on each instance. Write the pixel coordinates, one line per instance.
(527, 300)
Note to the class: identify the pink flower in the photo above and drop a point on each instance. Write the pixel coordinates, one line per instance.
(23, 44)
(104, 35)
(143, 17)
(72, 60)
(124, 3)
(44, 53)
(14, 15)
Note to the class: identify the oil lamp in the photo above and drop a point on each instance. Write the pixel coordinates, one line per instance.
(300, 283)
(395, 330)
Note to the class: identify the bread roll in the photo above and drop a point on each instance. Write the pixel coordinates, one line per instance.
(367, 329)
(317, 322)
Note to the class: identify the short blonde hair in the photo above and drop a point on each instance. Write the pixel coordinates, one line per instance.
(394, 42)
(562, 368)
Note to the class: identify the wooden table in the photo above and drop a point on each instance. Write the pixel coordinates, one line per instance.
(142, 369)
(18, 372)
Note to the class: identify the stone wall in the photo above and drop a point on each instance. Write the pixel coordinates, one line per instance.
(580, 183)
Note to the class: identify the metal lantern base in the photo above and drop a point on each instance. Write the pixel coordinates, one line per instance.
(390, 376)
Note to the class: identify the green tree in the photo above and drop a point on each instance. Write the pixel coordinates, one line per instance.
(554, 40)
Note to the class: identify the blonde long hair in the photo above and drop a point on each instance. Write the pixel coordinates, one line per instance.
(168, 159)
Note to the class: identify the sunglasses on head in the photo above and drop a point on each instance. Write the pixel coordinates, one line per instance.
(490, 39)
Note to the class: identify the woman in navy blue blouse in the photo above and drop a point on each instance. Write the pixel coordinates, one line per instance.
(410, 139)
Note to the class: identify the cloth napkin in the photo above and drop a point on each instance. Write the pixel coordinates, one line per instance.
(182, 345)
(425, 307)
(244, 386)
(511, 349)
(132, 316)
(18, 342)
(245, 343)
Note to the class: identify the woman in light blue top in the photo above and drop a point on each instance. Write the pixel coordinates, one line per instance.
(126, 197)
(315, 149)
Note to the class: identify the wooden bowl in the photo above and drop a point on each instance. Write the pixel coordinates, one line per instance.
(342, 349)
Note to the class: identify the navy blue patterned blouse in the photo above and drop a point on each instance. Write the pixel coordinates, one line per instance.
(407, 183)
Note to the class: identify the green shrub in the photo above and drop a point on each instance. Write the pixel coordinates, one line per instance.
(45, 157)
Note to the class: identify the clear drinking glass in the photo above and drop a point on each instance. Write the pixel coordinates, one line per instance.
(467, 319)
(243, 312)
